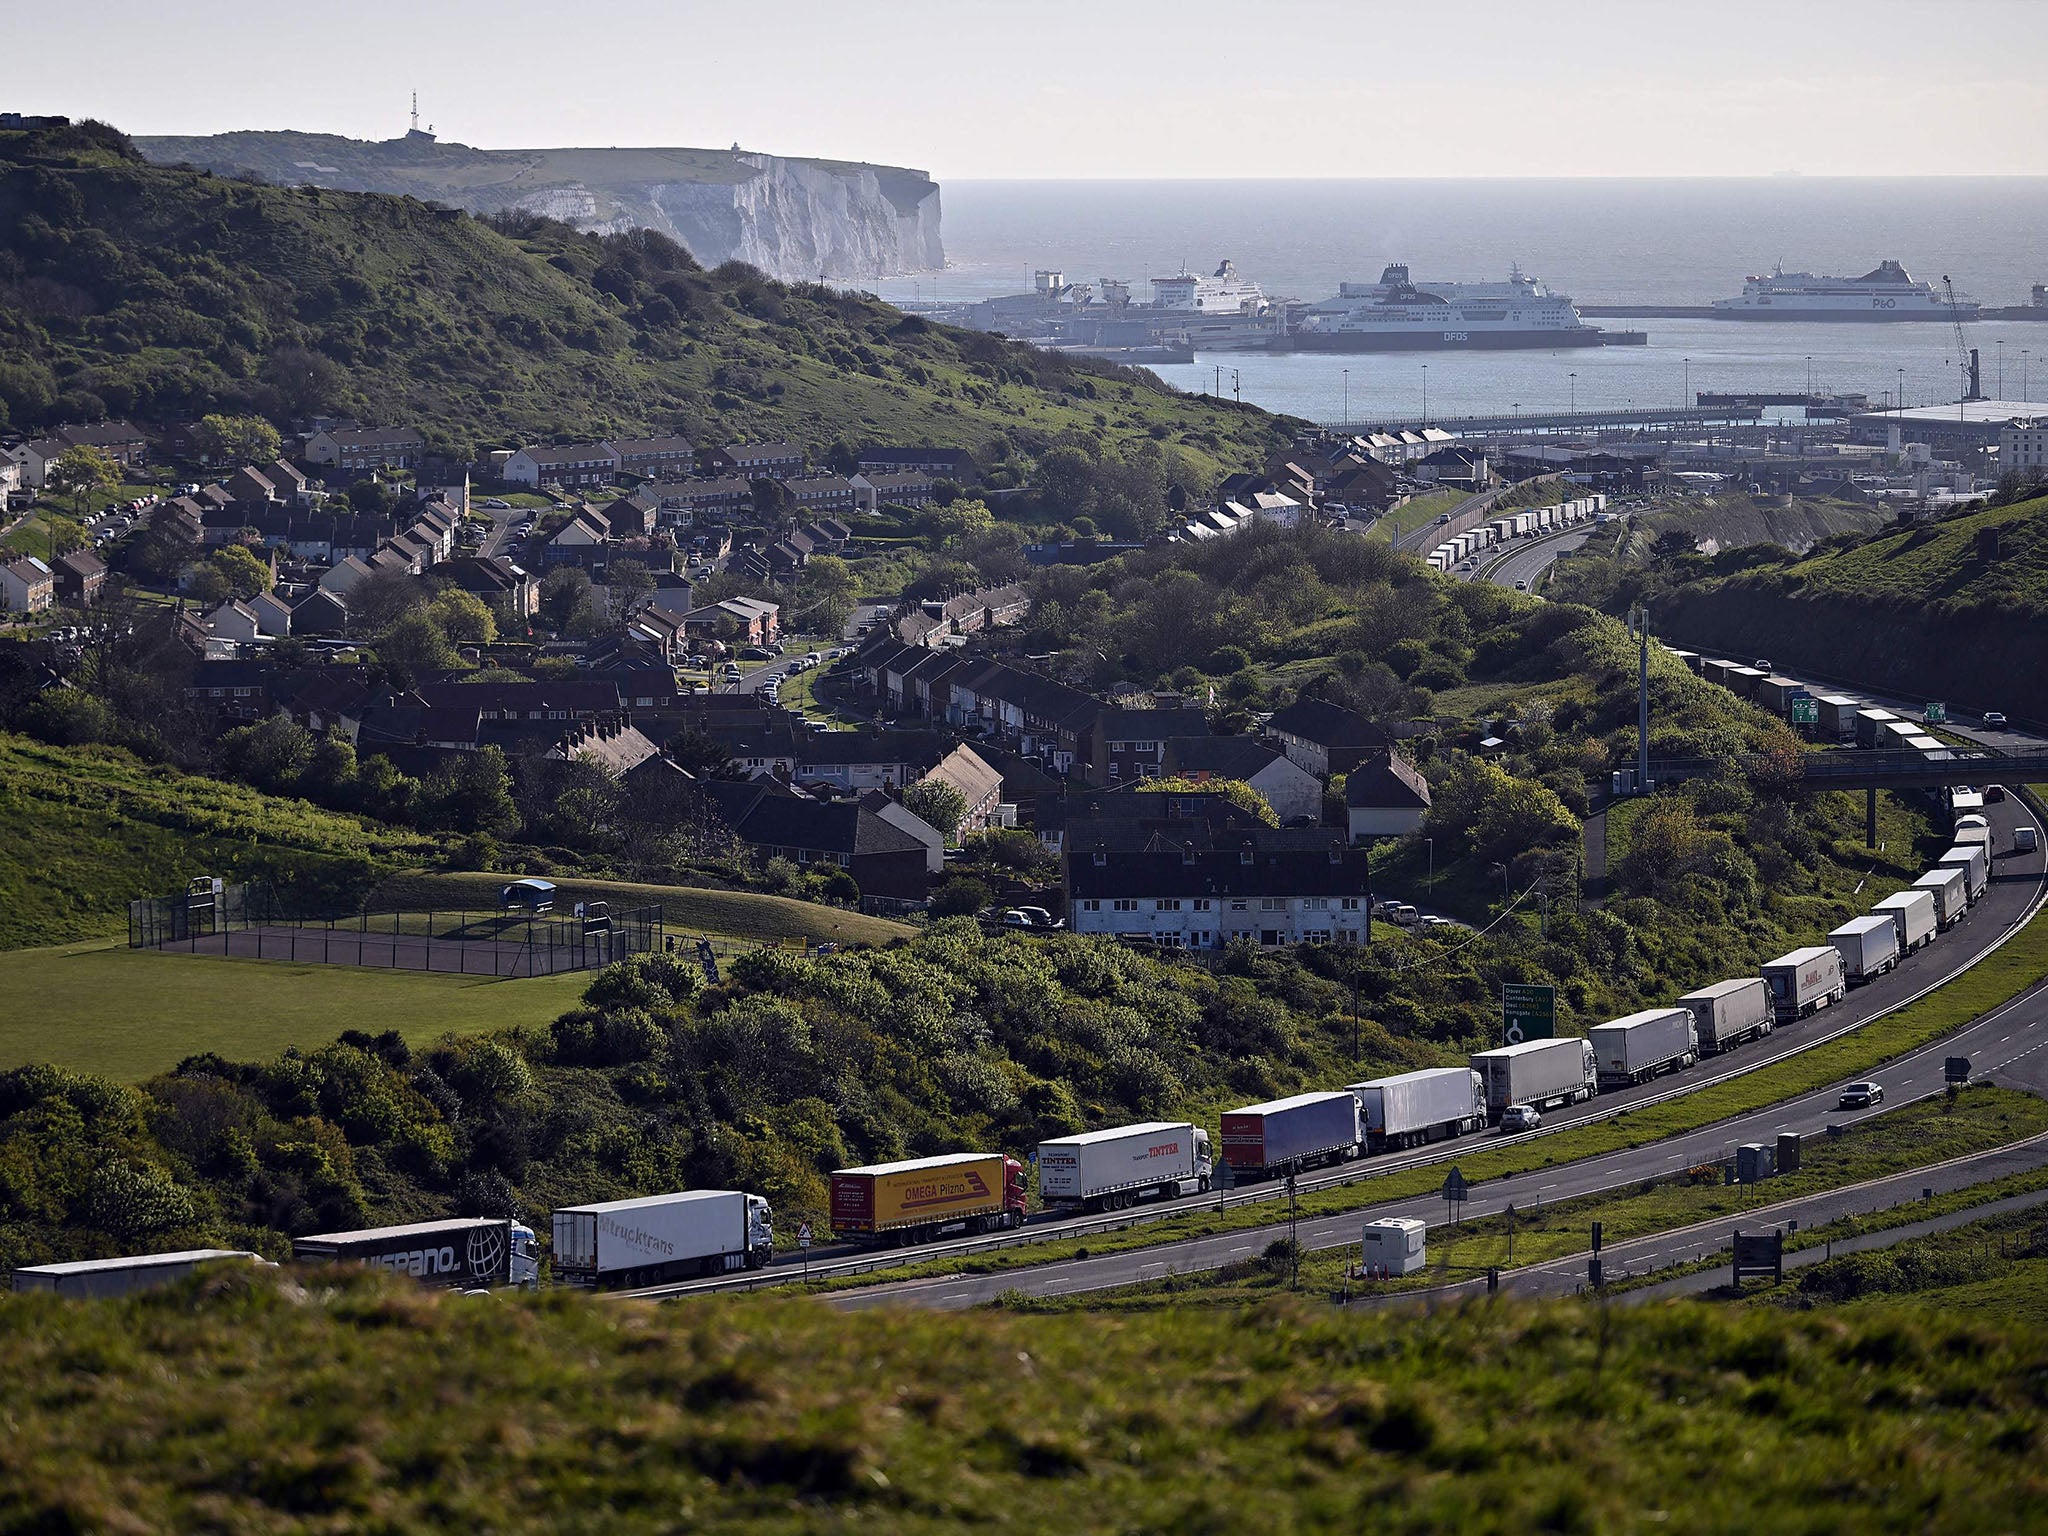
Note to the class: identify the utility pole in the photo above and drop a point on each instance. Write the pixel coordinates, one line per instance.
(1643, 702)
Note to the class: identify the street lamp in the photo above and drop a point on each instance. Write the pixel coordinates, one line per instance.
(1430, 843)
(2023, 373)
(1347, 400)
(2001, 370)
(1809, 376)
(1425, 394)
(1575, 392)
(1687, 402)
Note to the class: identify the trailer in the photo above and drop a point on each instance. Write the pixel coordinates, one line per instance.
(1729, 1012)
(1715, 670)
(1804, 981)
(1949, 888)
(1869, 946)
(924, 1197)
(1836, 716)
(1975, 832)
(1110, 1169)
(1538, 1072)
(1690, 660)
(1264, 1139)
(1393, 1245)
(1776, 693)
(1870, 724)
(662, 1237)
(1964, 802)
(1745, 681)
(1410, 1108)
(469, 1252)
(105, 1279)
(1634, 1049)
(1913, 915)
(1975, 862)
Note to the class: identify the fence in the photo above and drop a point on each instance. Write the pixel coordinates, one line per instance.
(247, 922)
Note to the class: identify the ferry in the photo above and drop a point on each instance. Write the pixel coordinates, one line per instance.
(1886, 293)
(1397, 314)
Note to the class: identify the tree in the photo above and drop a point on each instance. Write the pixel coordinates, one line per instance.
(697, 751)
(380, 600)
(626, 582)
(565, 605)
(1482, 808)
(416, 644)
(1236, 791)
(463, 616)
(961, 520)
(826, 594)
(238, 439)
(243, 571)
(270, 754)
(938, 805)
(209, 586)
(961, 896)
(81, 470)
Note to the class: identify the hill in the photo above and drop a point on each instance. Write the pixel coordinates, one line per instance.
(134, 289)
(1954, 610)
(570, 1414)
(792, 217)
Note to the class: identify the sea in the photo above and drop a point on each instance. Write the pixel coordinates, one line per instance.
(1618, 241)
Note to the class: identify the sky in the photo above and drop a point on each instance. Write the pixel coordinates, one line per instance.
(991, 89)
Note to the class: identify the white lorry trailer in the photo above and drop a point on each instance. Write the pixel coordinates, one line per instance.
(1948, 886)
(1805, 980)
(468, 1252)
(1912, 913)
(662, 1237)
(1729, 1012)
(1975, 863)
(1413, 1107)
(1636, 1048)
(104, 1279)
(1109, 1169)
(1869, 946)
(1538, 1072)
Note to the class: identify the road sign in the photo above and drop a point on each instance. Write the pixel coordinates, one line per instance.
(1528, 1012)
(1805, 711)
(1759, 1256)
(1936, 712)
(1455, 1186)
(1956, 1069)
(803, 1235)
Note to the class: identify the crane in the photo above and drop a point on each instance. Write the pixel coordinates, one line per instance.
(1966, 355)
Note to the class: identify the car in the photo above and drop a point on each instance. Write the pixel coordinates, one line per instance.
(758, 653)
(1438, 922)
(1521, 586)
(698, 663)
(730, 669)
(812, 658)
(1404, 914)
(495, 504)
(1993, 720)
(1520, 1117)
(1762, 664)
(1860, 1096)
(1993, 793)
(1443, 517)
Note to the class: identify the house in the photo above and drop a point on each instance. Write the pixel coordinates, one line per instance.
(828, 535)
(608, 744)
(1385, 796)
(1294, 793)
(574, 465)
(855, 761)
(823, 493)
(26, 585)
(904, 819)
(34, 458)
(683, 501)
(320, 612)
(664, 623)
(1120, 745)
(1464, 468)
(251, 488)
(954, 464)
(654, 458)
(10, 478)
(497, 581)
(366, 448)
(344, 574)
(884, 860)
(273, 613)
(536, 701)
(757, 461)
(235, 620)
(908, 488)
(1190, 876)
(80, 575)
(238, 691)
(978, 783)
(119, 441)
(752, 620)
(1325, 738)
(588, 528)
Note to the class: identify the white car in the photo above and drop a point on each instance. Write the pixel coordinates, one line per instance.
(1520, 1117)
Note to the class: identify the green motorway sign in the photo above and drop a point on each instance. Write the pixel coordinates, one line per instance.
(1805, 711)
(1528, 1012)
(1936, 713)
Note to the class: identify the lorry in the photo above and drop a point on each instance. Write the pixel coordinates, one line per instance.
(1836, 716)
(922, 1197)
(1776, 693)
(1975, 862)
(1870, 727)
(1729, 1012)
(1975, 832)
(1948, 886)
(1869, 946)
(1410, 1108)
(1538, 1072)
(1912, 913)
(1805, 980)
(1636, 1048)
(1264, 1139)
(471, 1252)
(104, 1279)
(1109, 1169)
(662, 1237)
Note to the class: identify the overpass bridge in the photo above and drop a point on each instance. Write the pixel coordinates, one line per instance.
(1533, 423)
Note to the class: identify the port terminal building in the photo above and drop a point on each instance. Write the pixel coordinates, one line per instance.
(1952, 431)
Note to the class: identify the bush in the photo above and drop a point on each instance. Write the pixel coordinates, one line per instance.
(961, 896)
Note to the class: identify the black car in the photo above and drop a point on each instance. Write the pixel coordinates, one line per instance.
(1860, 1096)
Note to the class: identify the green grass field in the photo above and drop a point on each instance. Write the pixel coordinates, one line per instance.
(102, 1007)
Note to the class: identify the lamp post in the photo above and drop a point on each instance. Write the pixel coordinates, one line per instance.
(1425, 394)
(1809, 376)
(1430, 844)
(2023, 373)
(1347, 401)
(2001, 370)
(1687, 402)
(1575, 392)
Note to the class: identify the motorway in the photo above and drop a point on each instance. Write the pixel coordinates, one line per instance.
(1521, 568)
(2015, 889)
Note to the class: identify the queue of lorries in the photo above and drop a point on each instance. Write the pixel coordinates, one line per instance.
(1523, 524)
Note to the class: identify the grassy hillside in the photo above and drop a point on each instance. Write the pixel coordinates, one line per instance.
(129, 1014)
(1956, 610)
(93, 828)
(146, 290)
(568, 1414)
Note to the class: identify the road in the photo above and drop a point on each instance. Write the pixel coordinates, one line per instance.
(2007, 1045)
(1521, 568)
(2014, 889)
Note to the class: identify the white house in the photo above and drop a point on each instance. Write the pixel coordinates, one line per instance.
(979, 785)
(1289, 788)
(27, 585)
(234, 620)
(344, 574)
(901, 817)
(1384, 796)
(1244, 887)
(576, 464)
(273, 614)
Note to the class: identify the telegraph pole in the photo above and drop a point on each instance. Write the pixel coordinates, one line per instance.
(1643, 702)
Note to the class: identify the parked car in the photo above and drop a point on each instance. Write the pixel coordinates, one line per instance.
(1860, 1096)
(1404, 914)
(1520, 1117)
(495, 504)
(758, 653)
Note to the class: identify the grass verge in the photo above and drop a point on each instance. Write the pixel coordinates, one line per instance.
(102, 1007)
